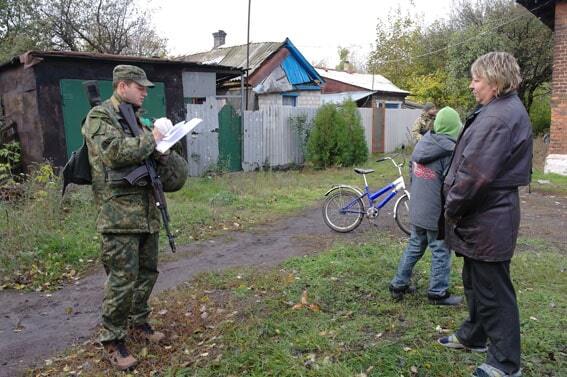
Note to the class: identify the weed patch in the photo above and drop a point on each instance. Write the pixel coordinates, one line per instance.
(243, 322)
(48, 240)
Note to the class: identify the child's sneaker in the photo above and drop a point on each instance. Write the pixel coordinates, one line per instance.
(452, 341)
(398, 293)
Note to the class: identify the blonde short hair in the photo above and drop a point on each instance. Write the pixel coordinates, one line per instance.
(500, 69)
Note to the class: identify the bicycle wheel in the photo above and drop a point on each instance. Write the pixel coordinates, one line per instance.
(401, 214)
(343, 210)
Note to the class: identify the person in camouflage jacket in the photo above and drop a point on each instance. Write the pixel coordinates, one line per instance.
(424, 123)
(128, 218)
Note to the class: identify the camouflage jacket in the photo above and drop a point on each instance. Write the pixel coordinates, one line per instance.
(113, 152)
(423, 124)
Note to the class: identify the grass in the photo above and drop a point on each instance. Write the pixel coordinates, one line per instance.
(47, 240)
(549, 183)
(243, 322)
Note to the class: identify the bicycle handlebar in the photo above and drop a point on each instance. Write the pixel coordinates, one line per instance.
(399, 166)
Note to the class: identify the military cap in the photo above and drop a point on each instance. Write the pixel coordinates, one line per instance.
(428, 106)
(131, 72)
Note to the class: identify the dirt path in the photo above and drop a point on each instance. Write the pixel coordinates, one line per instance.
(36, 326)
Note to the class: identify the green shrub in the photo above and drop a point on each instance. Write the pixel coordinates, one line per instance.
(351, 144)
(302, 128)
(10, 156)
(337, 137)
(540, 113)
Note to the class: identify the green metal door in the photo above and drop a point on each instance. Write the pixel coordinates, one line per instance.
(230, 139)
(76, 106)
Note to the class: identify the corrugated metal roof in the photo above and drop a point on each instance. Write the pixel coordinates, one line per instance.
(298, 69)
(341, 97)
(362, 80)
(235, 56)
(31, 58)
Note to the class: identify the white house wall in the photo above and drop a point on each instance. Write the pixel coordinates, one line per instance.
(309, 98)
(305, 98)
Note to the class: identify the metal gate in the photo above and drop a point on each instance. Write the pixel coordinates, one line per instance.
(230, 139)
(76, 106)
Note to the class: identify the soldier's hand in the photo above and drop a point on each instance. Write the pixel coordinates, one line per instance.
(157, 134)
(164, 125)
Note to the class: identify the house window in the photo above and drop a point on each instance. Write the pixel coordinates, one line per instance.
(392, 105)
(289, 100)
(195, 100)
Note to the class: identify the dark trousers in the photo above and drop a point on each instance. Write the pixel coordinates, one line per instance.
(493, 313)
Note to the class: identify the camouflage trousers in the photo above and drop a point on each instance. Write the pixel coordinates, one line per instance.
(130, 262)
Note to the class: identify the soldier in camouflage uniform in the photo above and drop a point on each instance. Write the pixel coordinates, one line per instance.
(128, 219)
(424, 123)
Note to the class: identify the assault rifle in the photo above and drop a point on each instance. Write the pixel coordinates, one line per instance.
(127, 112)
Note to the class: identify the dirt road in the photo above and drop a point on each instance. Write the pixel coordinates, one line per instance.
(36, 326)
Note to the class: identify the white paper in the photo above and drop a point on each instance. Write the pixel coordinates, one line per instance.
(176, 133)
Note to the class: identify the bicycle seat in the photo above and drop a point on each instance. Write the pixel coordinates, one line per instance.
(363, 171)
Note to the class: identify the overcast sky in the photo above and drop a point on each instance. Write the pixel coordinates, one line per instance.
(316, 27)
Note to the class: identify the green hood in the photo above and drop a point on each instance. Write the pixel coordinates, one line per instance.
(447, 122)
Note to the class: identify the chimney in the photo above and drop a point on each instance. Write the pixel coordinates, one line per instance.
(219, 37)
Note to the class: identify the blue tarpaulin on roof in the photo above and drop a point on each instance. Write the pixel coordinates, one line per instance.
(296, 74)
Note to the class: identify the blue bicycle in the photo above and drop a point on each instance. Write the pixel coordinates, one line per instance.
(345, 206)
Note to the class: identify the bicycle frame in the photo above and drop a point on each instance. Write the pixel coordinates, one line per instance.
(394, 187)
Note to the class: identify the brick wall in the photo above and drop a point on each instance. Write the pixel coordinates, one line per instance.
(305, 98)
(309, 98)
(558, 133)
(269, 100)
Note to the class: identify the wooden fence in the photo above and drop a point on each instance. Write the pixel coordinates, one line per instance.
(397, 128)
(270, 139)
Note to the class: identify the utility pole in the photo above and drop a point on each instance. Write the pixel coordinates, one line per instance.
(248, 53)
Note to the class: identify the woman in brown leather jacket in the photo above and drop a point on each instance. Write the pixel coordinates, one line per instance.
(482, 212)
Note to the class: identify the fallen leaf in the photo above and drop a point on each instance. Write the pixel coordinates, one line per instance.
(304, 298)
(162, 312)
(315, 307)
(407, 349)
(413, 369)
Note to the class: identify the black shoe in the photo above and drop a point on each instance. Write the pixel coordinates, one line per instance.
(446, 300)
(398, 293)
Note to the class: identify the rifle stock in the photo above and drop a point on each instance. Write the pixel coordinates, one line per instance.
(157, 188)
